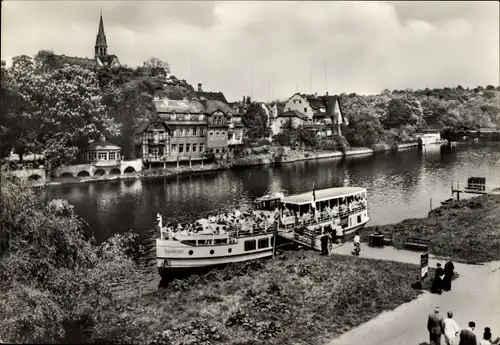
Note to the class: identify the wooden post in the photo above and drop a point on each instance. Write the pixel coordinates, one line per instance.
(177, 161)
(275, 237)
(190, 161)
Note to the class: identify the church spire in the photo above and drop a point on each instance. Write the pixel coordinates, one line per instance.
(100, 43)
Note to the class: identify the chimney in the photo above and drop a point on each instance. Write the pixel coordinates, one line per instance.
(327, 93)
(199, 87)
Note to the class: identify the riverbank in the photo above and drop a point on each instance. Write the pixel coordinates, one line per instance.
(468, 230)
(251, 160)
(254, 302)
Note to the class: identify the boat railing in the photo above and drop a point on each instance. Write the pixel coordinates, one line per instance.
(291, 222)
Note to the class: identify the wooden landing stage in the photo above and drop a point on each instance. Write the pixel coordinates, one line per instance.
(475, 185)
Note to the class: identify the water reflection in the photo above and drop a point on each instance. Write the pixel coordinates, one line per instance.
(400, 185)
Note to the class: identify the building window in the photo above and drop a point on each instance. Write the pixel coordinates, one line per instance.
(216, 135)
(181, 148)
(102, 156)
(112, 156)
(294, 101)
(118, 156)
(202, 147)
(305, 110)
(181, 132)
(211, 134)
(300, 102)
(93, 155)
(174, 147)
(188, 147)
(195, 132)
(194, 147)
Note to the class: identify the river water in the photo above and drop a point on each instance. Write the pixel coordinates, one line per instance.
(400, 185)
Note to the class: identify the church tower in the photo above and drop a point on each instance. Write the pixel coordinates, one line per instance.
(101, 47)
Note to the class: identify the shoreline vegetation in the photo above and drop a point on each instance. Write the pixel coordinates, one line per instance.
(96, 294)
(466, 231)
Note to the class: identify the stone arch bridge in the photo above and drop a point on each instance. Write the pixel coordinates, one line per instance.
(98, 169)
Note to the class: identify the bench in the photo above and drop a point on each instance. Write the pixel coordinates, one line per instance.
(417, 243)
(387, 239)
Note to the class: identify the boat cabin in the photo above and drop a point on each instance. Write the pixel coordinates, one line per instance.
(344, 197)
(267, 203)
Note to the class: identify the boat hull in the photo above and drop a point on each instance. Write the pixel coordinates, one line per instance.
(173, 256)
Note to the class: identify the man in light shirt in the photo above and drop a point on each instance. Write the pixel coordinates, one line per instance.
(451, 329)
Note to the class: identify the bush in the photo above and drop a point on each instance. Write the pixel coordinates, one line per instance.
(50, 272)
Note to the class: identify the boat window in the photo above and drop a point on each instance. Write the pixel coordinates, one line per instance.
(263, 243)
(189, 242)
(250, 245)
(220, 240)
(359, 219)
(272, 241)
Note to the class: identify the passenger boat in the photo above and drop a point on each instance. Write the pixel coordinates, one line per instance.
(302, 218)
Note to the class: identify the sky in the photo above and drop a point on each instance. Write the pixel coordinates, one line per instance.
(270, 50)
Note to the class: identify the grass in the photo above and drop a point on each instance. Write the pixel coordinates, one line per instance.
(298, 298)
(466, 231)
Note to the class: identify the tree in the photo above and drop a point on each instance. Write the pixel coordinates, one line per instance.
(51, 274)
(62, 107)
(364, 129)
(255, 122)
(156, 67)
(404, 110)
(126, 104)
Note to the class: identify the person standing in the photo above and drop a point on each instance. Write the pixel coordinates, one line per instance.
(434, 326)
(437, 283)
(324, 244)
(449, 272)
(486, 337)
(467, 336)
(451, 329)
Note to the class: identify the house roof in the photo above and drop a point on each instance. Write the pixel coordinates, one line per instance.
(214, 105)
(103, 145)
(204, 95)
(165, 105)
(293, 113)
(322, 194)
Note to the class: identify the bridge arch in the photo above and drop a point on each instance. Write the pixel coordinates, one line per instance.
(115, 171)
(66, 174)
(129, 170)
(34, 177)
(83, 173)
(99, 172)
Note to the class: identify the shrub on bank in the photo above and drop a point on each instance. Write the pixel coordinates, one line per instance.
(297, 297)
(50, 273)
(467, 231)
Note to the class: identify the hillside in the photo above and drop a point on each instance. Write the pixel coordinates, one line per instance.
(396, 115)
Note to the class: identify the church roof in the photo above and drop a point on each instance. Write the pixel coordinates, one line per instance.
(101, 37)
(74, 60)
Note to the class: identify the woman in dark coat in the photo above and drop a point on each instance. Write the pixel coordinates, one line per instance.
(437, 283)
(449, 269)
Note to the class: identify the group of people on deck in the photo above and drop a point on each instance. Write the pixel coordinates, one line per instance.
(346, 204)
(453, 335)
(223, 223)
